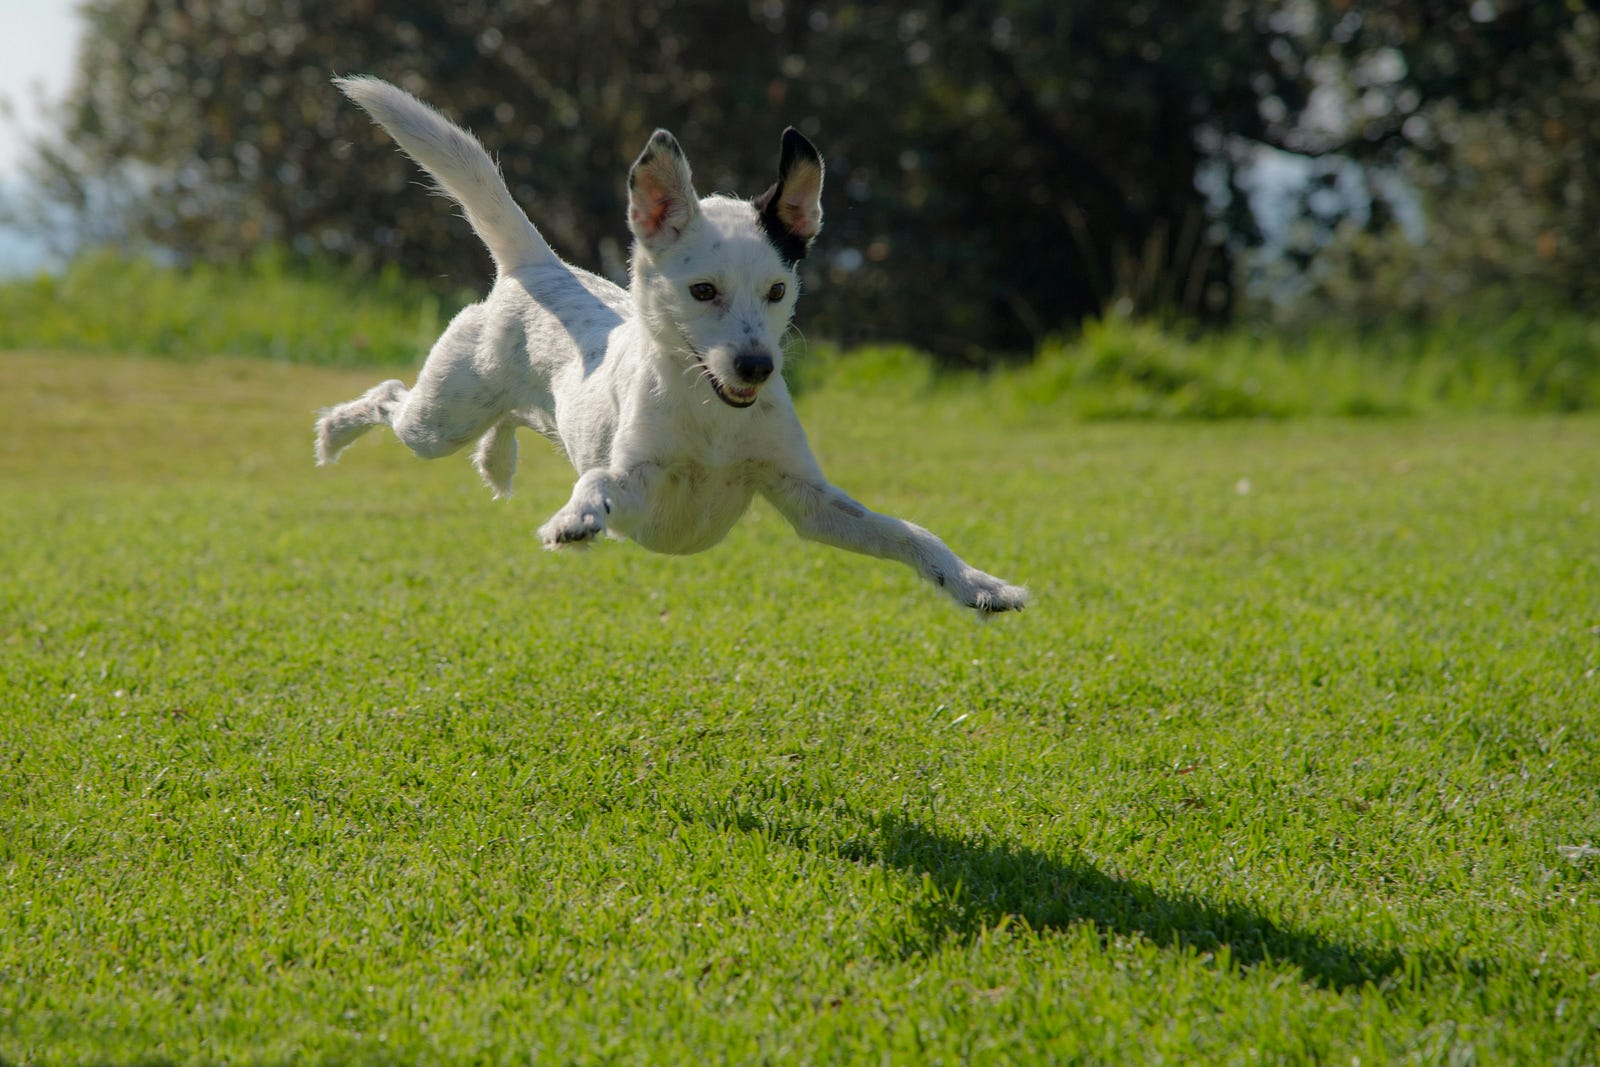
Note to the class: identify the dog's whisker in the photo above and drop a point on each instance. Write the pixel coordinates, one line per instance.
(796, 331)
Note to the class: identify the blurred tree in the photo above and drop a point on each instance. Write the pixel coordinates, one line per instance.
(997, 168)
(1512, 204)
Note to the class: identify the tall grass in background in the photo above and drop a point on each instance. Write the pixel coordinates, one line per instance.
(269, 307)
(1114, 368)
(1527, 361)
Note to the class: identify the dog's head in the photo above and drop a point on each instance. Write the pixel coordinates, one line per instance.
(715, 278)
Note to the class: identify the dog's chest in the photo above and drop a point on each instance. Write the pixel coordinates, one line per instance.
(690, 505)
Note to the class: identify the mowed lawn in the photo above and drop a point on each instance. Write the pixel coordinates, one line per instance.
(1295, 758)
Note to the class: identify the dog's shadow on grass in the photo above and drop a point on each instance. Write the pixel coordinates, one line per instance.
(983, 885)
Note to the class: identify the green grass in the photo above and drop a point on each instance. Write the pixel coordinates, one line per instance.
(1537, 360)
(270, 308)
(1532, 361)
(1293, 760)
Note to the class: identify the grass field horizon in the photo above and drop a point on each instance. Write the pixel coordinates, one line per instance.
(1291, 760)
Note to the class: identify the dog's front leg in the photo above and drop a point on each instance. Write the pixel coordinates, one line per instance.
(820, 511)
(598, 494)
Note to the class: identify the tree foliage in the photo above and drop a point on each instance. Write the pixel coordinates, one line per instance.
(1512, 198)
(998, 169)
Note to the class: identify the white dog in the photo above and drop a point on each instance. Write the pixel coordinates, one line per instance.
(668, 396)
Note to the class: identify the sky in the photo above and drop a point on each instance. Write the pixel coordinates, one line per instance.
(37, 38)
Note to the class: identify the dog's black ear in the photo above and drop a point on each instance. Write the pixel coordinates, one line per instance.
(661, 197)
(791, 211)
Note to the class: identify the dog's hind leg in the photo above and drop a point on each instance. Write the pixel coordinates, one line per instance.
(458, 397)
(426, 419)
(496, 457)
(341, 424)
(464, 388)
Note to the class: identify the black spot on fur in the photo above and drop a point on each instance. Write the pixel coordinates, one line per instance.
(663, 139)
(660, 140)
(791, 247)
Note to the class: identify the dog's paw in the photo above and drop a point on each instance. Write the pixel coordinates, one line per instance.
(572, 527)
(986, 594)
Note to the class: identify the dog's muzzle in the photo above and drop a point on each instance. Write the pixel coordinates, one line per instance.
(753, 367)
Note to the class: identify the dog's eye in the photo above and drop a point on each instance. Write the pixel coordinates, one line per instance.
(775, 294)
(703, 291)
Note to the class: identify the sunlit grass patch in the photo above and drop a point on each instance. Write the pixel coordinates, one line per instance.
(1291, 760)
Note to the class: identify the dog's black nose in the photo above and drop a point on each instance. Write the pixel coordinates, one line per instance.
(753, 367)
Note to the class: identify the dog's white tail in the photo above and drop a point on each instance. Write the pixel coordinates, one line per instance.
(455, 159)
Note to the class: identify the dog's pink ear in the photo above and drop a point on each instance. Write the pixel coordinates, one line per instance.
(661, 197)
(791, 211)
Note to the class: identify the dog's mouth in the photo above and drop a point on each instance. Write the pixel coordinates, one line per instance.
(735, 396)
